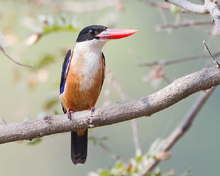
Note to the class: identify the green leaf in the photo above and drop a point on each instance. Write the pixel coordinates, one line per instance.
(119, 165)
(56, 27)
(154, 157)
(46, 29)
(174, 9)
(93, 140)
(34, 141)
(148, 174)
(104, 173)
(188, 173)
(49, 25)
(157, 172)
(138, 158)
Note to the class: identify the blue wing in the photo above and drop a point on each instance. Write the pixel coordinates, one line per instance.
(64, 73)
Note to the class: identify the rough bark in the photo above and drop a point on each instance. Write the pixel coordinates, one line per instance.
(146, 106)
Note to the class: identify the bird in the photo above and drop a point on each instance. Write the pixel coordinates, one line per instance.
(82, 76)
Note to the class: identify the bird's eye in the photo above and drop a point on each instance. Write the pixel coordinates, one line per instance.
(91, 31)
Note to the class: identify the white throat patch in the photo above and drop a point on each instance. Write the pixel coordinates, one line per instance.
(88, 54)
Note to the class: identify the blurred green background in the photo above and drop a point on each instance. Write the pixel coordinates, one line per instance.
(31, 93)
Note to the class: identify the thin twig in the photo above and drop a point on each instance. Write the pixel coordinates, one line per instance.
(2, 121)
(164, 19)
(175, 61)
(106, 148)
(116, 86)
(189, 7)
(211, 54)
(160, 5)
(209, 7)
(183, 24)
(137, 56)
(166, 79)
(136, 137)
(213, 9)
(124, 98)
(18, 63)
(183, 126)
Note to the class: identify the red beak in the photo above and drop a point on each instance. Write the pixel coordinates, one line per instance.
(116, 33)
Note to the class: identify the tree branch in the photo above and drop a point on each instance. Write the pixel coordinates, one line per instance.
(168, 62)
(208, 7)
(188, 6)
(180, 130)
(184, 24)
(213, 9)
(18, 63)
(146, 106)
(160, 5)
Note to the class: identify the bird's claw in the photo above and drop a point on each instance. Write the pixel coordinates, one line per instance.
(69, 111)
(92, 109)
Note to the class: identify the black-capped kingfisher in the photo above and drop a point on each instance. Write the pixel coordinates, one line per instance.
(83, 73)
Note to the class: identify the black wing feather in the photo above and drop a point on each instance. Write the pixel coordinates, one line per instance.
(63, 73)
(103, 57)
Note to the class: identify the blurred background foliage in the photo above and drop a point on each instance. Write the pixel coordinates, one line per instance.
(41, 32)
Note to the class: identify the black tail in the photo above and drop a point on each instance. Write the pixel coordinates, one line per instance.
(79, 147)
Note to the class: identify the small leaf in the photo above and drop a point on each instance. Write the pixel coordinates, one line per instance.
(34, 141)
(119, 165)
(104, 138)
(93, 140)
(46, 29)
(56, 27)
(154, 157)
(174, 9)
(157, 172)
(138, 159)
(60, 24)
(104, 173)
(148, 174)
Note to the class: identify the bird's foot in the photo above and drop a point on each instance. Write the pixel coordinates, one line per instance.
(92, 109)
(69, 111)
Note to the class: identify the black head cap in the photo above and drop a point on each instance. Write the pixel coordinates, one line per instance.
(90, 32)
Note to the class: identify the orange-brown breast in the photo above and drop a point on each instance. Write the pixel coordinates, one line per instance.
(82, 91)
